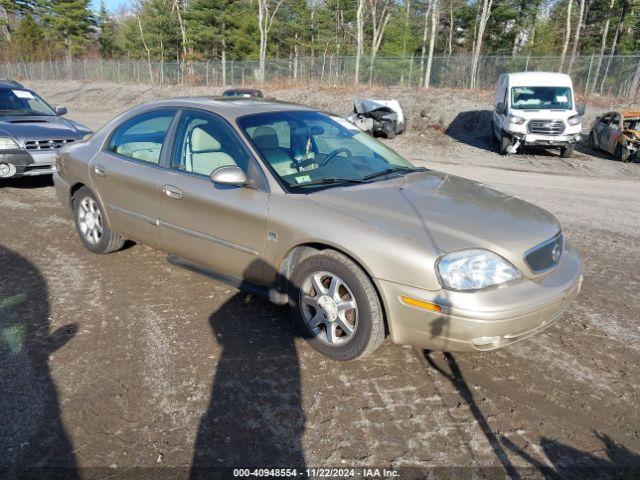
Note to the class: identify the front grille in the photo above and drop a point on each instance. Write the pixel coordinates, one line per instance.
(546, 127)
(546, 255)
(47, 144)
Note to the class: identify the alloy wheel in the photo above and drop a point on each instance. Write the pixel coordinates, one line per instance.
(90, 220)
(329, 308)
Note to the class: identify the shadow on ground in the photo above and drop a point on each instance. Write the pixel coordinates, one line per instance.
(562, 461)
(473, 128)
(255, 416)
(41, 181)
(33, 440)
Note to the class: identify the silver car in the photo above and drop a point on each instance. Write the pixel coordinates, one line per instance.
(303, 208)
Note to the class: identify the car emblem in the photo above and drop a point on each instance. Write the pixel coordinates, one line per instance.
(555, 253)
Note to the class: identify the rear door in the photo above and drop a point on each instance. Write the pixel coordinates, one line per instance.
(221, 227)
(601, 130)
(613, 131)
(126, 172)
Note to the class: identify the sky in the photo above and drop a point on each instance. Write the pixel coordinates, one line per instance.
(111, 5)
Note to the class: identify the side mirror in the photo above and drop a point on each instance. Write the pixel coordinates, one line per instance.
(580, 108)
(501, 108)
(229, 175)
(61, 110)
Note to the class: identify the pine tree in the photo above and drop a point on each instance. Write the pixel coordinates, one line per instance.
(107, 39)
(29, 39)
(71, 22)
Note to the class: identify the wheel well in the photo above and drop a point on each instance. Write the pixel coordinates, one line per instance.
(72, 191)
(300, 252)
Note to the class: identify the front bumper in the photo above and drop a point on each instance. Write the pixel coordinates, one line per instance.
(483, 320)
(26, 164)
(567, 140)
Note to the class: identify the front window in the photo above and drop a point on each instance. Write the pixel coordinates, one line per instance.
(19, 102)
(632, 123)
(541, 98)
(311, 148)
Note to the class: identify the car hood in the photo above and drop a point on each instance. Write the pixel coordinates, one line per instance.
(444, 212)
(41, 128)
(632, 133)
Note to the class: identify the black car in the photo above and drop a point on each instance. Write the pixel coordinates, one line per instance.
(243, 92)
(31, 131)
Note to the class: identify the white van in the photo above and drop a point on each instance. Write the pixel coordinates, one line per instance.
(536, 108)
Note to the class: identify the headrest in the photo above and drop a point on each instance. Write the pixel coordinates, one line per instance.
(265, 138)
(201, 141)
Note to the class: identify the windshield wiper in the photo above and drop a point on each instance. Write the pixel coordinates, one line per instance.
(327, 181)
(387, 171)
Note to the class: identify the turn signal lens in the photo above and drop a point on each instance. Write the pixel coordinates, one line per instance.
(414, 302)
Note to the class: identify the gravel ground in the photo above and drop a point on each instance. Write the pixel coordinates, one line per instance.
(126, 362)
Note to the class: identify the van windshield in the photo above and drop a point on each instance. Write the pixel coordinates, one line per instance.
(541, 98)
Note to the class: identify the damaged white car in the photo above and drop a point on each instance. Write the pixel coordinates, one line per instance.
(380, 118)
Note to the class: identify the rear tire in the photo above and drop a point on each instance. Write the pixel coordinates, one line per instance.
(91, 224)
(566, 152)
(341, 320)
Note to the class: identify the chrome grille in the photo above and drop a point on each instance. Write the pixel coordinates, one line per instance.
(546, 255)
(47, 144)
(546, 127)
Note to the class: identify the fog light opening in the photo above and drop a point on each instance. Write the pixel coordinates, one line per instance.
(414, 302)
(485, 341)
(7, 170)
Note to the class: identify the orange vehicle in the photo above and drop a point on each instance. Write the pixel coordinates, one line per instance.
(617, 133)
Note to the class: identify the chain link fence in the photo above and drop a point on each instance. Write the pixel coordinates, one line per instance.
(606, 75)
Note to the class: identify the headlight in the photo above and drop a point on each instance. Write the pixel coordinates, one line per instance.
(474, 269)
(574, 120)
(8, 143)
(516, 119)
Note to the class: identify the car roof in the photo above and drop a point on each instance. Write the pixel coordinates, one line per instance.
(630, 113)
(9, 84)
(542, 79)
(229, 107)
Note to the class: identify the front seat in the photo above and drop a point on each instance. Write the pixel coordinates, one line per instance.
(266, 140)
(206, 152)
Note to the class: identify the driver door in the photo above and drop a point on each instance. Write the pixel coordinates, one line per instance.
(220, 227)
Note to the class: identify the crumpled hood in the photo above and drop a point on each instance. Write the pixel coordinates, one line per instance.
(635, 134)
(41, 128)
(445, 212)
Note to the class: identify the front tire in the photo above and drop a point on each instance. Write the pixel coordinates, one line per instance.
(504, 144)
(621, 154)
(335, 304)
(92, 225)
(566, 152)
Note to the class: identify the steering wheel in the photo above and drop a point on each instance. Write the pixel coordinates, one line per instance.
(333, 155)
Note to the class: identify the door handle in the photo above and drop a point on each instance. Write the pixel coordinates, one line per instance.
(100, 170)
(172, 192)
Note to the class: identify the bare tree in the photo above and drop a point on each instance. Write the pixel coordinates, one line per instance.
(576, 37)
(146, 47)
(432, 39)
(567, 36)
(359, 38)
(603, 46)
(477, 49)
(380, 15)
(450, 41)
(424, 38)
(616, 37)
(266, 15)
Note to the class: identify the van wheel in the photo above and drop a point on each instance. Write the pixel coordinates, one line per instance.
(566, 152)
(504, 144)
(336, 305)
(91, 224)
(592, 141)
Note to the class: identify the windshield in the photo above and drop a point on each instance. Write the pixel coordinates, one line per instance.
(541, 98)
(18, 102)
(311, 148)
(632, 123)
